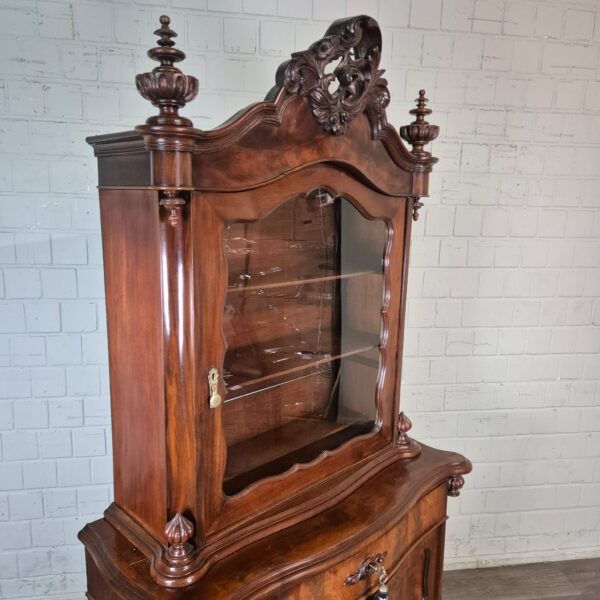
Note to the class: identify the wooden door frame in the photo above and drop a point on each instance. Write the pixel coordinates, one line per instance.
(280, 500)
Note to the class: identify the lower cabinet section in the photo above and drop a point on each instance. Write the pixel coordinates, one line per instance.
(391, 528)
(411, 553)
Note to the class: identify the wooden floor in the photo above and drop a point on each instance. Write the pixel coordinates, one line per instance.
(569, 580)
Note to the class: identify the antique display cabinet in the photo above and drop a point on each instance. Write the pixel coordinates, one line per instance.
(255, 288)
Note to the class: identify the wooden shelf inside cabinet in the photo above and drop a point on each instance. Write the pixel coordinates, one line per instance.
(298, 363)
(256, 281)
(276, 451)
(307, 281)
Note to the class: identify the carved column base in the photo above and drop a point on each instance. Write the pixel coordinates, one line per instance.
(410, 450)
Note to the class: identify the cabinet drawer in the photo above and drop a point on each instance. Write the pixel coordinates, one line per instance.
(419, 575)
(413, 551)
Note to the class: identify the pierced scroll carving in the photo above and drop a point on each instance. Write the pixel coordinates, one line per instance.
(179, 532)
(356, 44)
(455, 484)
(166, 86)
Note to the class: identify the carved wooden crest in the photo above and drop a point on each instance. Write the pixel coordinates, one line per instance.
(355, 44)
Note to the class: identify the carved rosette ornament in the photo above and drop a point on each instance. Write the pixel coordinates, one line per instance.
(455, 484)
(407, 447)
(166, 86)
(356, 46)
(178, 532)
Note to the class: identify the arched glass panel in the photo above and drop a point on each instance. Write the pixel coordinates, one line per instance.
(302, 322)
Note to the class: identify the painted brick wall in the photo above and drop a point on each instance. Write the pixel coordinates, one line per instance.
(503, 346)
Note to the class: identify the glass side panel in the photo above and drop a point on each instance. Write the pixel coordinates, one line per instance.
(302, 322)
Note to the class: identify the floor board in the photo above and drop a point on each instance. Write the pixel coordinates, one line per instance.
(568, 580)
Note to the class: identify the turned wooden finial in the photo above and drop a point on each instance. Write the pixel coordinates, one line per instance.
(166, 86)
(404, 426)
(165, 33)
(421, 109)
(420, 132)
(455, 484)
(406, 445)
(178, 532)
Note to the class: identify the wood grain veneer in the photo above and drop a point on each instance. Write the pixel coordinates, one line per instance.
(256, 280)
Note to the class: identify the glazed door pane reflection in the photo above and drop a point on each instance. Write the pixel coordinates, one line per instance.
(302, 322)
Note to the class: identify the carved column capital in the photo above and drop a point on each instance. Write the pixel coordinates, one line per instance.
(417, 205)
(173, 202)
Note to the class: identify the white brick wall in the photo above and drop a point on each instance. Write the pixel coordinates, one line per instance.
(503, 346)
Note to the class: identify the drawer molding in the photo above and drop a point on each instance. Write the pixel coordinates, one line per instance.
(391, 572)
(425, 579)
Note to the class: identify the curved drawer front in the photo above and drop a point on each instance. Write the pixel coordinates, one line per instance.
(419, 576)
(412, 552)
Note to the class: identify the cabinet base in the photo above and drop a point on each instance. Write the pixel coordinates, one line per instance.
(400, 513)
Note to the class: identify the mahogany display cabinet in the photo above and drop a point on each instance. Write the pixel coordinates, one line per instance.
(255, 289)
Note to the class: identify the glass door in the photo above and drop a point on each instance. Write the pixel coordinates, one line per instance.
(302, 323)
